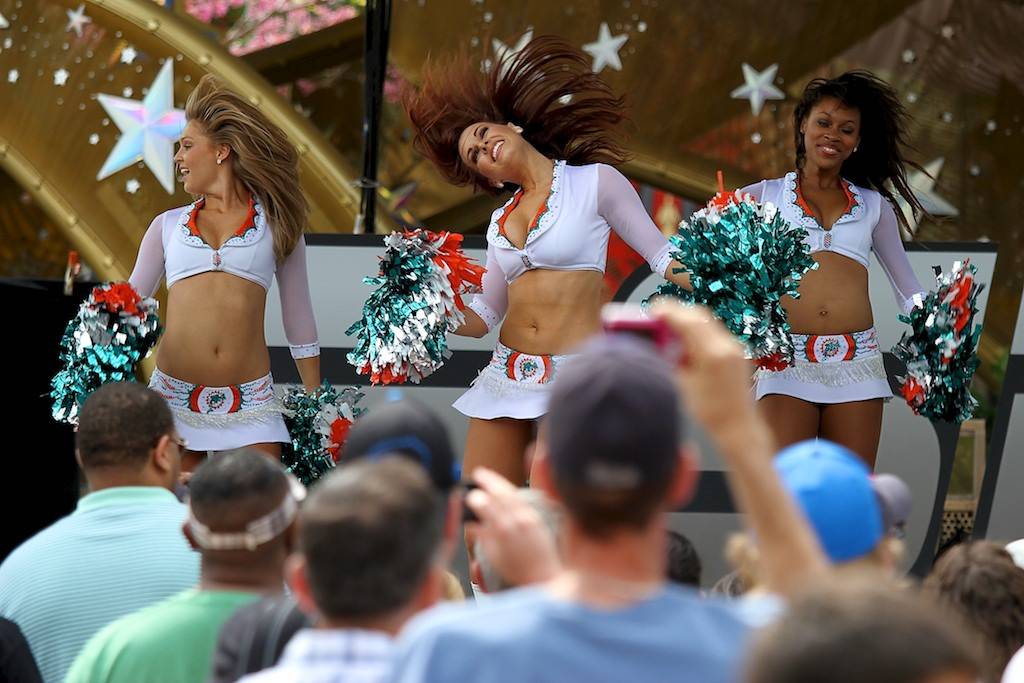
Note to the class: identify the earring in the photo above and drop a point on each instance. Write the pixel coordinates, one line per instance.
(219, 161)
(856, 148)
(516, 128)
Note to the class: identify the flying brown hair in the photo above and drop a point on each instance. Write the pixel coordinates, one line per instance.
(566, 111)
(263, 157)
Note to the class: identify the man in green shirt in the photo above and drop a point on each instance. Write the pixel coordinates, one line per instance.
(241, 520)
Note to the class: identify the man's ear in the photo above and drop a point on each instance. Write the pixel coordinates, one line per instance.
(296, 573)
(541, 476)
(684, 481)
(190, 538)
(162, 458)
(291, 537)
(476, 575)
(78, 459)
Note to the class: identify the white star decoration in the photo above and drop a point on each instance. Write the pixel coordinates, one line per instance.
(757, 87)
(3, 22)
(93, 139)
(148, 129)
(501, 49)
(132, 186)
(923, 188)
(77, 20)
(12, 76)
(605, 50)
(60, 77)
(128, 55)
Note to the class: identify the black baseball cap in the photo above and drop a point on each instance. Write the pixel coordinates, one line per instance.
(404, 427)
(613, 420)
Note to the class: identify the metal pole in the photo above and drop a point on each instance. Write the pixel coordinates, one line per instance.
(375, 56)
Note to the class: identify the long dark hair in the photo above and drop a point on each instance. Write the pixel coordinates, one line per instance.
(880, 157)
(566, 111)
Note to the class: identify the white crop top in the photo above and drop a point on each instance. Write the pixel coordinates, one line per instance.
(173, 245)
(868, 224)
(569, 232)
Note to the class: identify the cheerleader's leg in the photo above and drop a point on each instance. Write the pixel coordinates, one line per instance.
(791, 419)
(271, 449)
(856, 425)
(500, 445)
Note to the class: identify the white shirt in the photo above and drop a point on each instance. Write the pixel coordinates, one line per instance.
(332, 656)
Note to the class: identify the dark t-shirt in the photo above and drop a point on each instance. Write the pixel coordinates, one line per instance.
(255, 636)
(16, 662)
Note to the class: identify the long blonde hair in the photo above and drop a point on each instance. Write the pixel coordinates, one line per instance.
(263, 157)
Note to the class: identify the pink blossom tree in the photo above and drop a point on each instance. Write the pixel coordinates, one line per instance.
(250, 25)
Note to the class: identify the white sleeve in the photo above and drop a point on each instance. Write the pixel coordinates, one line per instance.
(620, 205)
(492, 302)
(891, 255)
(296, 304)
(149, 264)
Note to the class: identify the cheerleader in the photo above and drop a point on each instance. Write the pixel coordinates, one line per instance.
(219, 255)
(849, 149)
(542, 126)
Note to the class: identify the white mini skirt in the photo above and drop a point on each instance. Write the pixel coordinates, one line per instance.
(830, 368)
(223, 418)
(513, 384)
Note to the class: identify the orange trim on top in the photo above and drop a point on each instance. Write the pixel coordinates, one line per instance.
(248, 224)
(511, 207)
(516, 198)
(851, 201)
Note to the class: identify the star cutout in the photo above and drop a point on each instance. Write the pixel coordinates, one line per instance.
(757, 87)
(922, 184)
(132, 186)
(77, 20)
(605, 50)
(128, 55)
(3, 22)
(12, 76)
(60, 77)
(148, 129)
(503, 51)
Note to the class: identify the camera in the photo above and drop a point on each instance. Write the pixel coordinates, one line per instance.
(631, 319)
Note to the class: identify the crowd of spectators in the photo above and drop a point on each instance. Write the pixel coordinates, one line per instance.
(581, 577)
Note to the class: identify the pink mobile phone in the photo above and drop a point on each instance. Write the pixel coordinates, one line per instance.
(631, 319)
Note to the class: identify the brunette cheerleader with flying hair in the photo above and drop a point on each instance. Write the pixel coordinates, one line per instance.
(541, 125)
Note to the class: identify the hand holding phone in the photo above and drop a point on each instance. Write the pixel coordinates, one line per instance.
(631, 319)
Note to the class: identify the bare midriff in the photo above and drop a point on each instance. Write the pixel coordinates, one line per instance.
(833, 298)
(214, 331)
(552, 311)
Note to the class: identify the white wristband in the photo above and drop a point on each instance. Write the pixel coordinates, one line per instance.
(305, 350)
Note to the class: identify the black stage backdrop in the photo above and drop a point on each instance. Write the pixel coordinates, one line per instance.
(39, 483)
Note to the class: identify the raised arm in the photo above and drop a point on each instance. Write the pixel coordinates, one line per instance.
(888, 248)
(149, 264)
(297, 314)
(715, 381)
(620, 205)
(487, 309)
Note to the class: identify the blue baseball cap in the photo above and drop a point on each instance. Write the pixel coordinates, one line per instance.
(833, 488)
